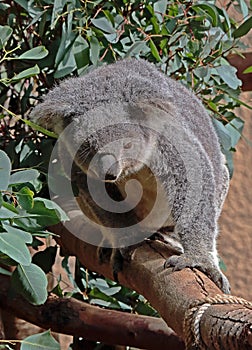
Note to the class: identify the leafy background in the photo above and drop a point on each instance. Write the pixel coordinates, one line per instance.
(42, 42)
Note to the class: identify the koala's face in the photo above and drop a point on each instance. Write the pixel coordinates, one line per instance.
(116, 152)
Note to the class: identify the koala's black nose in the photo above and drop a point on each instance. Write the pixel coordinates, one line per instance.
(108, 168)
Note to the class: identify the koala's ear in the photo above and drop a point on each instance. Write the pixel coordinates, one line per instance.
(51, 115)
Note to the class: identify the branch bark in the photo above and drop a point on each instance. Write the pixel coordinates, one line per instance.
(73, 317)
(212, 321)
(173, 294)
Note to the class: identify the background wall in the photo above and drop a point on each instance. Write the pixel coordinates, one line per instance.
(235, 241)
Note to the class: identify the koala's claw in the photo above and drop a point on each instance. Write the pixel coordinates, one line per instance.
(208, 267)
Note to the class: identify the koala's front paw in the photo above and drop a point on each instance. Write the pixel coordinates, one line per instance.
(206, 266)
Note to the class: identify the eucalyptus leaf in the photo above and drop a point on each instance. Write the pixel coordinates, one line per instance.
(23, 176)
(248, 70)
(24, 235)
(5, 34)
(5, 272)
(6, 213)
(94, 50)
(41, 203)
(154, 51)
(136, 48)
(228, 75)
(209, 10)
(35, 53)
(5, 169)
(244, 8)
(160, 8)
(14, 246)
(27, 73)
(234, 129)
(40, 341)
(31, 282)
(104, 24)
(243, 29)
(223, 134)
(25, 198)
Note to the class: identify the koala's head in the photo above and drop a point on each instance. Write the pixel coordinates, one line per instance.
(116, 151)
(110, 141)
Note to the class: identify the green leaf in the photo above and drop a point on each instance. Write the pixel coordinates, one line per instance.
(58, 6)
(154, 50)
(228, 75)
(248, 70)
(24, 235)
(5, 34)
(136, 48)
(35, 53)
(104, 24)
(39, 128)
(244, 8)
(201, 72)
(27, 73)
(160, 6)
(81, 52)
(7, 211)
(145, 308)
(22, 3)
(47, 212)
(25, 198)
(11, 207)
(209, 11)
(234, 129)
(5, 272)
(243, 29)
(94, 50)
(5, 168)
(23, 176)
(41, 341)
(66, 66)
(223, 134)
(14, 246)
(66, 267)
(31, 282)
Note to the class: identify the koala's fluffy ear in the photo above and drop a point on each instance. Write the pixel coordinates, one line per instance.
(51, 115)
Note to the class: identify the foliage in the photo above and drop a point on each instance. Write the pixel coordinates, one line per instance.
(42, 41)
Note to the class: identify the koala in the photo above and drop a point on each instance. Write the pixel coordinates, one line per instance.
(145, 143)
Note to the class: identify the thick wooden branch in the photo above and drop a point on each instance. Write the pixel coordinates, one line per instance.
(73, 317)
(171, 293)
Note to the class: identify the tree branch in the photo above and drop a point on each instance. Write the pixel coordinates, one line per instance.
(172, 294)
(73, 317)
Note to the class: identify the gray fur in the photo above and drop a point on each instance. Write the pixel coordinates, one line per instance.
(135, 91)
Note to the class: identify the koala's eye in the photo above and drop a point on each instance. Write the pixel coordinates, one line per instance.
(127, 145)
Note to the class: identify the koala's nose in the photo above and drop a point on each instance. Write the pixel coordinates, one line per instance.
(108, 168)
